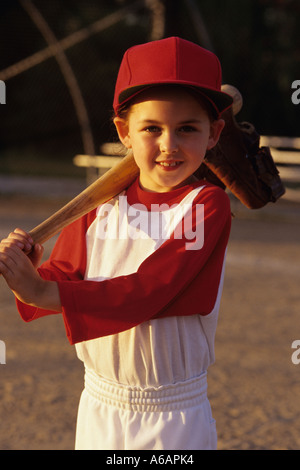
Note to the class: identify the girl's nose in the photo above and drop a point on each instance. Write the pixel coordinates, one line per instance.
(169, 143)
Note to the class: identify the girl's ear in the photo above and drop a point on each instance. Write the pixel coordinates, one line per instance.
(215, 132)
(123, 131)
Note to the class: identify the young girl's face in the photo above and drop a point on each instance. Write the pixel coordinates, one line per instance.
(169, 132)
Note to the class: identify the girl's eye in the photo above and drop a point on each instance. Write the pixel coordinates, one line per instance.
(153, 129)
(187, 129)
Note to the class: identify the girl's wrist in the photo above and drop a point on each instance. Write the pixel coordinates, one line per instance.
(47, 295)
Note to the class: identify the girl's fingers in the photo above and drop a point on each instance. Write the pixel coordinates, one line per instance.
(36, 255)
(21, 234)
(19, 238)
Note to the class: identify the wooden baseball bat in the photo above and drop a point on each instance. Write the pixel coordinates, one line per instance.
(104, 188)
(115, 180)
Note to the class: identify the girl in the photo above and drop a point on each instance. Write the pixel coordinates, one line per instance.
(138, 280)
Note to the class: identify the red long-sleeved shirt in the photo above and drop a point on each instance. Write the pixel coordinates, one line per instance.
(172, 280)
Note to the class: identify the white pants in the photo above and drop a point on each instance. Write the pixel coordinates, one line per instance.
(117, 417)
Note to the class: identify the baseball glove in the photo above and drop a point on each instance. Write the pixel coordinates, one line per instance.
(238, 163)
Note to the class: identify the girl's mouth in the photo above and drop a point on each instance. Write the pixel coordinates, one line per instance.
(171, 164)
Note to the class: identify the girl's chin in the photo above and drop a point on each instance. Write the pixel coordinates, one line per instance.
(161, 185)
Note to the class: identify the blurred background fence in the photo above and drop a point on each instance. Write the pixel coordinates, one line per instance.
(59, 62)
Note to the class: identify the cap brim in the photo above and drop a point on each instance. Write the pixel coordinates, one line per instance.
(219, 100)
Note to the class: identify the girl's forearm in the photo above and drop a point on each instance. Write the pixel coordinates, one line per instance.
(50, 298)
(46, 296)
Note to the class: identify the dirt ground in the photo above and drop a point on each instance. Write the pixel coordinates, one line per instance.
(254, 387)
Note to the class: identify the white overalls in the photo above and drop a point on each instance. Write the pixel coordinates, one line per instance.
(145, 388)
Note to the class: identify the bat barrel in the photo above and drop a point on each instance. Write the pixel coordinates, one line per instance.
(104, 188)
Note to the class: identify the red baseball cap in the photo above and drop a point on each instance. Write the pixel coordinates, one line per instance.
(170, 61)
